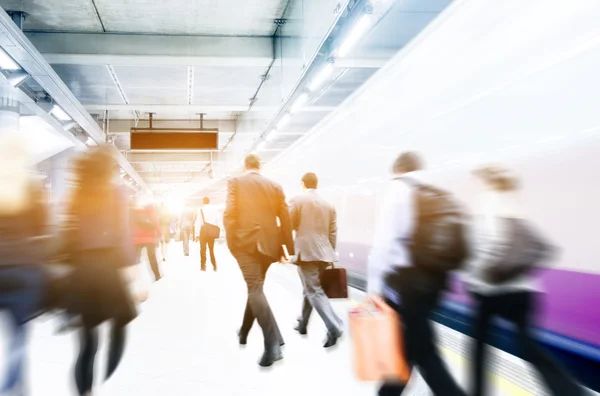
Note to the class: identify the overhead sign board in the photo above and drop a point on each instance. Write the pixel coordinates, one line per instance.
(174, 139)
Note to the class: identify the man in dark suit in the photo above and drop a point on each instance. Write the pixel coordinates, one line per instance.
(314, 220)
(254, 205)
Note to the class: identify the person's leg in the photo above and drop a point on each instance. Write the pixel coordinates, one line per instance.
(13, 378)
(186, 242)
(203, 245)
(151, 252)
(211, 249)
(306, 305)
(555, 376)
(116, 348)
(84, 368)
(482, 321)
(314, 292)
(138, 253)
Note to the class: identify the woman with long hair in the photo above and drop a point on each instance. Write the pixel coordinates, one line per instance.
(23, 232)
(100, 243)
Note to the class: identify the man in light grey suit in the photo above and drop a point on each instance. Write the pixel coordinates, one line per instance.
(314, 220)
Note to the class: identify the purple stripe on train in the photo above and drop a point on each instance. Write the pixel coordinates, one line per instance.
(570, 306)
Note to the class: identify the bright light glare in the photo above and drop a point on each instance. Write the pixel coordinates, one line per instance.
(271, 135)
(299, 102)
(357, 31)
(261, 146)
(321, 77)
(6, 62)
(59, 113)
(90, 142)
(284, 121)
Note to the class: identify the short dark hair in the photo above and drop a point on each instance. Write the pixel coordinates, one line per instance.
(252, 161)
(408, 161)
(310, 180)
(205, 200)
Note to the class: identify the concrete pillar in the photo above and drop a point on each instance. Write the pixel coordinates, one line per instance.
(9, 114)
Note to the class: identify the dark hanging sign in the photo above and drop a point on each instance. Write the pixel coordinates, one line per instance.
(174, 139)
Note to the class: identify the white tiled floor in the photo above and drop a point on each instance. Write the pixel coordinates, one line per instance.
(184, 342)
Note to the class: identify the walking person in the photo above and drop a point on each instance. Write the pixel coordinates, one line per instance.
(501, 235)
(206, 226)
(147, 231)
(23, 236)
(164, 220)
(100, 242)
(254, 206)
(188, 218)
(314, 220)
(405, 278)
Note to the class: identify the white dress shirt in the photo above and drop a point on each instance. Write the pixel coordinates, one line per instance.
(210, 216)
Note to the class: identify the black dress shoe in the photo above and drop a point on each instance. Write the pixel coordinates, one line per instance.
(300, 329)
(270, 356)
(243, 338)
(332, 339)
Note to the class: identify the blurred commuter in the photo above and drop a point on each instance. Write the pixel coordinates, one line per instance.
(164, 220)
(206, 226)
(23, 249)
(101, 245)
(254, 203)
(314, 220)
(188, 218)
(146, 233)
(499, 222)
(403, 276)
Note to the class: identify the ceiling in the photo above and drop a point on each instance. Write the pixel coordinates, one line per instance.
(179, 58)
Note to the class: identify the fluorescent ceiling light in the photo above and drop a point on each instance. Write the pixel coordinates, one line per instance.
(284, 121)
(271, 135)
(261, 146)
(321, 77)
(6, 62)
(357, 31)
(59, 113)
(90, 142)
(299, 102)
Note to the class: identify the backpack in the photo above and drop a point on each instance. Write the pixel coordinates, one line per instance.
(523, 250)
(439, 242)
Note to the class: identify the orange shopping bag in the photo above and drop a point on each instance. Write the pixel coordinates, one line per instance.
(375, 331)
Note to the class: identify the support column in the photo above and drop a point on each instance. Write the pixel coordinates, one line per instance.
(9, 114)
(60, 176)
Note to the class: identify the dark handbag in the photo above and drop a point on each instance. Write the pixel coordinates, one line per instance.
(523, 250)
(211, 231)
(335, 282)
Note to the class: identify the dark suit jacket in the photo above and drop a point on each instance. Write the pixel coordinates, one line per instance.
(254, 203)
(314, 220)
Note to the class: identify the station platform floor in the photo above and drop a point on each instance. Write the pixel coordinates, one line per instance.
(184, 343)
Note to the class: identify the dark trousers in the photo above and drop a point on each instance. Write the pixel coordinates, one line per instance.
(516, 307)
(420, 346)
(204, 243)
(254, 270)
(84, 368)
(151, 252)
(311, 274)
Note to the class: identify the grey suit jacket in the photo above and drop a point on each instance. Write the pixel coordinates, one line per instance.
(314, 220)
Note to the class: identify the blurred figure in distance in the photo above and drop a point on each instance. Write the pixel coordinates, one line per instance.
(207, 228)
(101, 244)
(23, 249)
(254, 205)
(314, 220)
(147, 232)
(164, 219)
(186, 224)
(500, 219)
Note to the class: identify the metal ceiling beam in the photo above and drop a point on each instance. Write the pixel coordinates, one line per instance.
(192, 108)
(14, 42)
(137, 49)
(117, 126)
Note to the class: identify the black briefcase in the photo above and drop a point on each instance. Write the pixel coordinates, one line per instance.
(335, 282)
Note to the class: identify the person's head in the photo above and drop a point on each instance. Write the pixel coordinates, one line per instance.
(408, 161)
(205, 200)
(497, 178)
(252, 162)
(310, 181)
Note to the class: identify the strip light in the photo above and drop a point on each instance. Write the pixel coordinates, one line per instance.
(271, 136)
(321, 77)
(59, 113)
(6, 62)
(299, 102)
(359, 29)
(284, 121)
(261, 146)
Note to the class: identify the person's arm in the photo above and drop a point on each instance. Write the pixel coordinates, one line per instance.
(230, 215)
(294, 214)
(284, 219)
(333, 228)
